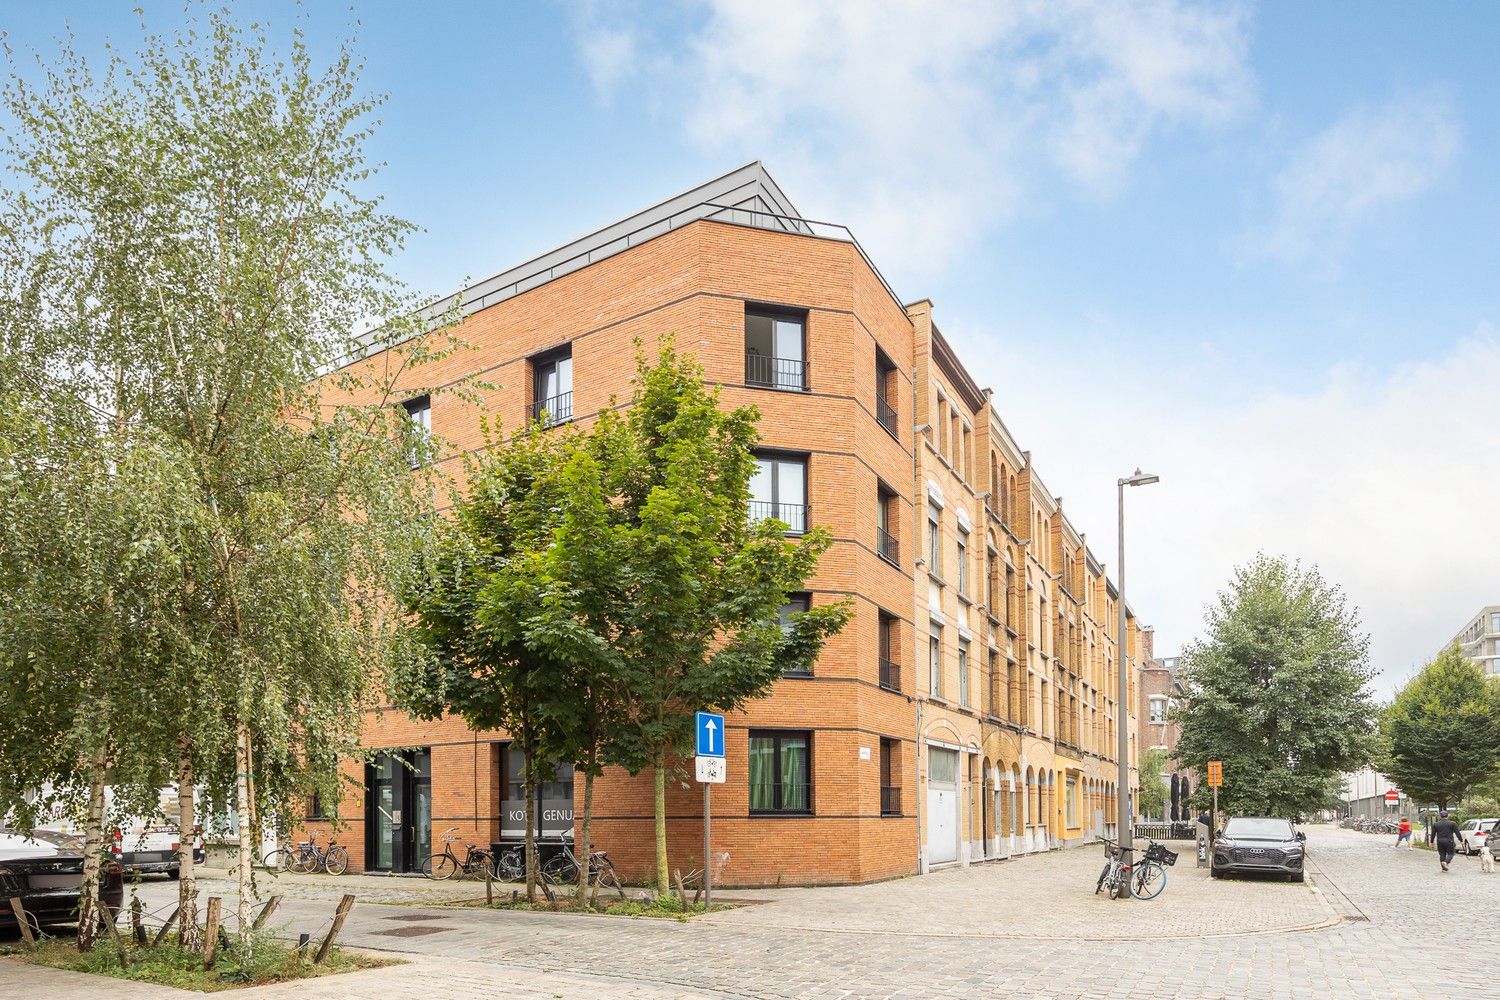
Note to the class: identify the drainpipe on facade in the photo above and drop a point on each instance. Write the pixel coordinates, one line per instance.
(917, 775)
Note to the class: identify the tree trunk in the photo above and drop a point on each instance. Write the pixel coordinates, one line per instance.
(531, 865)
(584, 847)
(242, 807)
(187, 888)
(663, 877)
(93, 849)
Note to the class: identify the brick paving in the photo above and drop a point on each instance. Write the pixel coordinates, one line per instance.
(945, 935)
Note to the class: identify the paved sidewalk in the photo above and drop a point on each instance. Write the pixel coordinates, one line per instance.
(805, 945)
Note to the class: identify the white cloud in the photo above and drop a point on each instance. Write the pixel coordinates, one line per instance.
(1388, 480)
(928, 124)
(1346, 175)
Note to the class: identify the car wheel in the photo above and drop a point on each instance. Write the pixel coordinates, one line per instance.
(1213, 873)
(1299, 877)
(174, 873)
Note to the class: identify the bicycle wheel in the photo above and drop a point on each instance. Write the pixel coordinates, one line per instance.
(559, 869)
(439, 867)
(1102, 876)
(303, 863)
(278, 861)
(1148, 880)
(337, 861)
(477, 863)
(509, 868)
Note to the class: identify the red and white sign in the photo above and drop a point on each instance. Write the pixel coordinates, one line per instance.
(1392, 796)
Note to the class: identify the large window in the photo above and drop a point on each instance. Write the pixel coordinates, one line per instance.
(778, 490)
(775, 349)
(1158, 710)
(1072, 801)
(419, 411)
(794, 606)
(885, 519)
(934, 540)
(885, 380)
(963, 672)
(935, 662)
(890, 777)
(890, 672)
(963, 560)
(552, 388)
(780, 772)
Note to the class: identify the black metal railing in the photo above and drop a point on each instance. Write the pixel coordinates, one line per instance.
(553, 410)
(885, 544)
(886, 414)
(890, 800)
(776, 373)
(890, 675)
(1171, 830)
(793, 515)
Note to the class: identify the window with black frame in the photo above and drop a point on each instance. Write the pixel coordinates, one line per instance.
(552, 388)
(419, 411)
(780, 772)
(795, 605)
(776, 349)
(778, 491)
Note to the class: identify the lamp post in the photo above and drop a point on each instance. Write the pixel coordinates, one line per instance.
(1122, 689)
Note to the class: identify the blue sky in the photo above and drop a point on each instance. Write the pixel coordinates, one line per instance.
(1249, 247)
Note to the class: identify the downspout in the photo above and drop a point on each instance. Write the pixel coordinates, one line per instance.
(917, 646)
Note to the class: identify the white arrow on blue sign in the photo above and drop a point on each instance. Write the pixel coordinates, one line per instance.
(710, 734)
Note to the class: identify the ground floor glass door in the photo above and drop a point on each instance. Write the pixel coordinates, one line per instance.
(398, 811)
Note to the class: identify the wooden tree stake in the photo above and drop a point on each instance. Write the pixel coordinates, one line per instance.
(265, 912)
(165, 927)
(211, 933)
(22, 922)
(114, 932)
(345, 905)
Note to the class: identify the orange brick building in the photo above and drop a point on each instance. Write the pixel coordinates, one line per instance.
(791, 316)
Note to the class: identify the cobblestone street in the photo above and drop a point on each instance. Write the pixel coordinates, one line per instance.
(1355, 930)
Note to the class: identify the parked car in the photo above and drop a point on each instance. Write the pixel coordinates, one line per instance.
(147, 848)
(1473, 833)
(45, 869)
(1494, 841)
(1261, 844)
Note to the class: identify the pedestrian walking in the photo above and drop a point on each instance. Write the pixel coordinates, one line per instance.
(1403, 832)
(1445, 837)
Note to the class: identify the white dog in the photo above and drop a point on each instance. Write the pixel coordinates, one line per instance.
(1486, 859)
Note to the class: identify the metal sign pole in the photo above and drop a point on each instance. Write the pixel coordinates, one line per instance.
(708, 846)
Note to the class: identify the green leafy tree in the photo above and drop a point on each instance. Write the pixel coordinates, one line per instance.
(698, 583)
(1277, 690)
(480, 602)
(1441, 733)
(188, 243)
(1155, 793)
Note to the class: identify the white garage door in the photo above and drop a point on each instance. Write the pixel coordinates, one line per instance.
(942, 806)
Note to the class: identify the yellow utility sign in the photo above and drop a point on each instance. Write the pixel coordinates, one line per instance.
(1215, 773)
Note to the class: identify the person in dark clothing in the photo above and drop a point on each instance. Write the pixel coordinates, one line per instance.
(1445, 838)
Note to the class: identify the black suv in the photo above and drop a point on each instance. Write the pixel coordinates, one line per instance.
(1259, 844)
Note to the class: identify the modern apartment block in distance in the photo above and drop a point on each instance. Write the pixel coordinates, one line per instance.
(1479, 640)
(967, 710)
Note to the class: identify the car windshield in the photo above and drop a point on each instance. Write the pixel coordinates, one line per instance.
(1257, 828)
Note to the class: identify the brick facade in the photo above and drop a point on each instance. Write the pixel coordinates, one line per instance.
(871, 376)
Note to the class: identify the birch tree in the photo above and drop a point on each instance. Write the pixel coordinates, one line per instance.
(190, 230)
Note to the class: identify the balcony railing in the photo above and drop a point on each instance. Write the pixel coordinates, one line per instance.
(776, 373)
(890, 800)
(885, 414)
(793, 515)
(890, 675)
(885, 544)
(554, 410)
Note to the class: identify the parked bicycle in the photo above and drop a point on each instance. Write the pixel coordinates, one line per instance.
(476, 861)
(562, 868)
(1145, 879)
(307, 858)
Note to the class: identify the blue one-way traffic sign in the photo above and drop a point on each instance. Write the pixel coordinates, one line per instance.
(710, 734)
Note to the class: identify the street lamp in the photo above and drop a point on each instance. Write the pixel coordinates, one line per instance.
(1126, 832)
